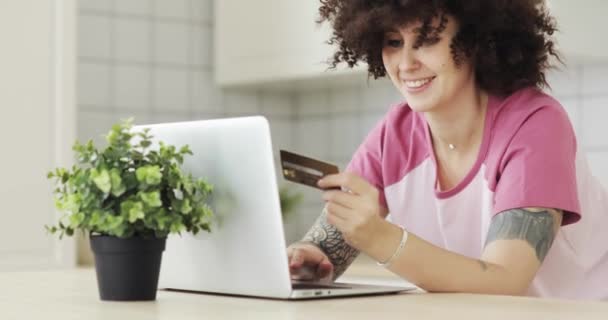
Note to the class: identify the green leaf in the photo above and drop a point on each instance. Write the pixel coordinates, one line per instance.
(145, 143)
(101, 179)
(97, 218)
(150, 220)
(118, 188)
(185, 150)
(206, 188)
(151, 199)
(137, 156)
(163, 220)
(188, 186)
(150, 175)
(195, 230)
(76, 219)
(185, 206)
(134, 210)
(177, 226)
(51, 229)
(71, 204)
(114, 222)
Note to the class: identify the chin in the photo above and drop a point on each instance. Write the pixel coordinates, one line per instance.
(420, 106)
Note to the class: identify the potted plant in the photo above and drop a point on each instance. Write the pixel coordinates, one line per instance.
(289, 201)
(128, 197)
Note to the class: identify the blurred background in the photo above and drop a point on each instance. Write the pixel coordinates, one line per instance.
(177, 60)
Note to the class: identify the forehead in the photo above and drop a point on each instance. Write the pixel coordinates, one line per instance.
(413, 27)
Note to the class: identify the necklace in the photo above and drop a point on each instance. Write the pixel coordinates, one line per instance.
(451, 146)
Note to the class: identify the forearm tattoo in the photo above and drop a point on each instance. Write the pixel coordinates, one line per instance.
(535, 227)
(330, 240)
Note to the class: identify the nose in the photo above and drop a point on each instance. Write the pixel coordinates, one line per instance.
(408, 59)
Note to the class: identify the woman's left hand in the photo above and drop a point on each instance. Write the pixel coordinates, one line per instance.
(355, 209)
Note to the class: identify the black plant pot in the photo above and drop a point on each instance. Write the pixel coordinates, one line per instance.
(127, 269)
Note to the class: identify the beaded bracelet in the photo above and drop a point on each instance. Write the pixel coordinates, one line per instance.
(397, 252)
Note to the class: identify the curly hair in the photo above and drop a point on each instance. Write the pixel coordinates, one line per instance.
(508, 41)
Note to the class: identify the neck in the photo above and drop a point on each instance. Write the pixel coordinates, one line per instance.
(459, 125)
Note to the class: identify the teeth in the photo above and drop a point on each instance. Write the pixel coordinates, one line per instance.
(417, 83)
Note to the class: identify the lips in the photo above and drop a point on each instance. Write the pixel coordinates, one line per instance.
(417, 85)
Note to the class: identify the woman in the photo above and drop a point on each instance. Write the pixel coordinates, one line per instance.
(479, 169)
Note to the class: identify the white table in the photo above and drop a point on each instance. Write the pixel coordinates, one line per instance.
(72, 294)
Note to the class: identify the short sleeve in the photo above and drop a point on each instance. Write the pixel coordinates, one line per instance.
(366, 162)
(538, 168)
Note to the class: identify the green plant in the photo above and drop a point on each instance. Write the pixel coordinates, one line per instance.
(289, 201)
(129, 189)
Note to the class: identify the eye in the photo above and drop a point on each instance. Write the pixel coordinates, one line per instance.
(393, 43)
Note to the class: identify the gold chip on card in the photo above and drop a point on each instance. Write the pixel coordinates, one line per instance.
(305, 170)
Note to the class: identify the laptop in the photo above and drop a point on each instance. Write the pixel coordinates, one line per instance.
(245, 253)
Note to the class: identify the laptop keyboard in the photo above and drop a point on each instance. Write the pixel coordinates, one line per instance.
(303, 286)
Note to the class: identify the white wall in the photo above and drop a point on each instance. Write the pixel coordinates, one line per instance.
(152, 59)
(36, 128)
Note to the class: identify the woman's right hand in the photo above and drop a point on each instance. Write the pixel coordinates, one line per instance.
(307, 262)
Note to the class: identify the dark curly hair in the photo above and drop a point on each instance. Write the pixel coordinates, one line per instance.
(509, 41)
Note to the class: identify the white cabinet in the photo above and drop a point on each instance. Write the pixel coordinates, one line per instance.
(272, 42)
(276, 43)
(582, 26)
(36, 127)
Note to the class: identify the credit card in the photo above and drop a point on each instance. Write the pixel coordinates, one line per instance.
(305, 170)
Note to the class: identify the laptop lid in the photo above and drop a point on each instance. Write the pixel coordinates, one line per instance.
(245, 252)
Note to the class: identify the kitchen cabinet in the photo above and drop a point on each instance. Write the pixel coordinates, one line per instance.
(37, 127)
(581, 25)
(273, 43)
(277, 44)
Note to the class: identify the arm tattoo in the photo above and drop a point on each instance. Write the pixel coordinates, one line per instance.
(535, 227)
(330, 241)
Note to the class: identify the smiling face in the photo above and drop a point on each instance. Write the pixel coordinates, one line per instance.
(427, 77)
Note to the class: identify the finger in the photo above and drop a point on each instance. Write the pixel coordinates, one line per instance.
(303, 273)
(301, 257)
(330, 181)
(297, 259)
(325, 268)
(303, 265)
(344, 199)
(347, 180)
(339, 211)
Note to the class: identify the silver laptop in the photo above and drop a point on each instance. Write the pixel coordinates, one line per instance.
(245, 252)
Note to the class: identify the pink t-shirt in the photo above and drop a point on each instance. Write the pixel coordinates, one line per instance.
(528, 158)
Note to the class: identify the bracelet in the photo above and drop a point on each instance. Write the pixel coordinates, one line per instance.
(397, 252)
